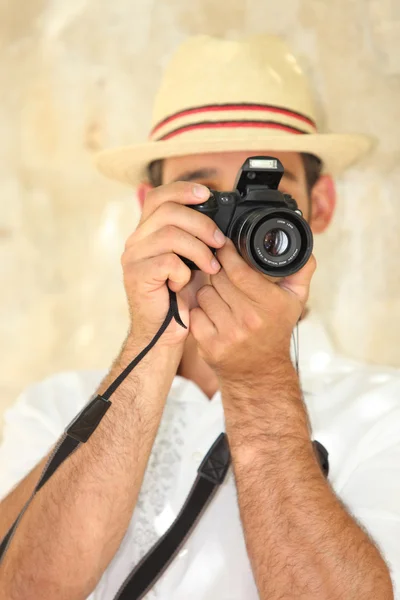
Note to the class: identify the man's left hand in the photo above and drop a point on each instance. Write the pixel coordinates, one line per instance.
(244, 320)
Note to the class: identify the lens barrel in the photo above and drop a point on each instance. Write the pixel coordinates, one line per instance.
(276, 241)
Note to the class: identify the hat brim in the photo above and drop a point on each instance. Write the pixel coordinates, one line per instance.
(337, 151)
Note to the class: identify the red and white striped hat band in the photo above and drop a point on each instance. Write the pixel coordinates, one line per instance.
(232, 116)
(224, 95)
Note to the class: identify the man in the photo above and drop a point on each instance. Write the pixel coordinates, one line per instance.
(276, 528)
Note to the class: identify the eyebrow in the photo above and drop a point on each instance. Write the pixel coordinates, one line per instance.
(196, 174)
(289, 175)
(205, 173)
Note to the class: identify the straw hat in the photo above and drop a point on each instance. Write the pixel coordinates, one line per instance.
(223, 95)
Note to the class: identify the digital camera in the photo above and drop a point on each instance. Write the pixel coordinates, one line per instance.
(265, 225)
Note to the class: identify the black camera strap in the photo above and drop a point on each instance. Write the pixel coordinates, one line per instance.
(211, 475)
(85, 423)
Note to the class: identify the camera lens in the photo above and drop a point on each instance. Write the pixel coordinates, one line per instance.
(276, 242)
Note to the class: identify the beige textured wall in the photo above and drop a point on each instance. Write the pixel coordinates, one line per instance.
(79, 75)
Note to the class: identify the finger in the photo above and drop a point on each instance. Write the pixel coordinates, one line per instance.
(242, 275)
(172, 239)
(216, 309)
(201, 326)
(153, 272)
(227, 290)
(197, 224)
(299, 283)
(181, 192)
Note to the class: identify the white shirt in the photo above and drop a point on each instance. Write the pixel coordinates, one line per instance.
(354, 411)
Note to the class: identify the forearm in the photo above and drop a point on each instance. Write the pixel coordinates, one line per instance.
(301, 541)
(11, 505)
(76, 522)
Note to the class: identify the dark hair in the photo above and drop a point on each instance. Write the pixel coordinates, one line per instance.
(312, 167)
(154, 172)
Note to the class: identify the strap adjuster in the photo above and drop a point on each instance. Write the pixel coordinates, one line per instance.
(84, 424)
(216, 462)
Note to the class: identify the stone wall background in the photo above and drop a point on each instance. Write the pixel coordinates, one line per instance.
(78, 76)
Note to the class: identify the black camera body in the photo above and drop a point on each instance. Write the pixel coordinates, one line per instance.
(265, 225)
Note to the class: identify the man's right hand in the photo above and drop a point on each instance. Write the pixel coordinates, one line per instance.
(75, 525)
(167, 228)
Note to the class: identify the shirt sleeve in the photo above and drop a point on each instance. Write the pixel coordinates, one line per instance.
(372, 491)
(37, 419)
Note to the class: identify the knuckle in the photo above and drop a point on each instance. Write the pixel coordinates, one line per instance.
(163, 261)
(238, 275)
(167, 210)
(253, 321)
(169, 232)
(236, 336)
(169, 261)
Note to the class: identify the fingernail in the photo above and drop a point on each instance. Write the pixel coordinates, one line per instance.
(215, 264)
(200, 191)
(219, 236)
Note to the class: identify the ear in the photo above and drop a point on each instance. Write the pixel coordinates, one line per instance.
(142, 190)
(323, 202)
